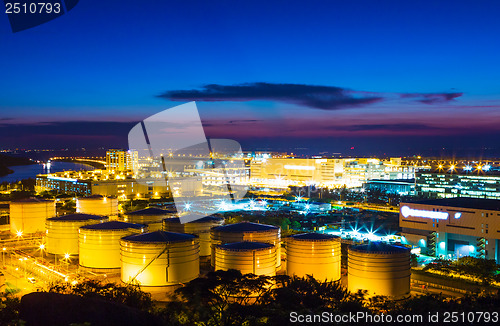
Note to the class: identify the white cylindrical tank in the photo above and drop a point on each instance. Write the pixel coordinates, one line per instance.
(62, 232)
(248, 257)
(29, 215)
(150, 216)
(160, 258)
(199, 227)
(247, 231)
(97, 205)
(379, 268)
(99, 244)
(313, 254)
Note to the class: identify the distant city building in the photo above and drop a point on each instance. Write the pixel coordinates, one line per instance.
(101, 182)
(121, 160)
(449, 185)
(453, 227)
(400, 186)
(60, 184)
(328, 172)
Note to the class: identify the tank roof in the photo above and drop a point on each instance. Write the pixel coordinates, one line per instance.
(379, 248)
(32, 200)
(245, 227)
(113, 225)
(160, 236)
(201, 220)
(77, 217)
(152, 211)
(313, 237)
(245, 245)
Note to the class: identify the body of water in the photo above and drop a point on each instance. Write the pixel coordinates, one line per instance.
(30, 171)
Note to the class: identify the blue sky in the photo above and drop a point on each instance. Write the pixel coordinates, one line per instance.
(109, 61)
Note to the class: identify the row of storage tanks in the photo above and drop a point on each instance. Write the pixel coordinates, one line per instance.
(169, 254)
(29, 215)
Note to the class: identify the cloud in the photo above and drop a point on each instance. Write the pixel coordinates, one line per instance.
(312, 96)
(432, 98)
(388, 127)
(64, 128)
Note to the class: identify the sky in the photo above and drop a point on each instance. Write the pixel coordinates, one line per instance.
(350, 77)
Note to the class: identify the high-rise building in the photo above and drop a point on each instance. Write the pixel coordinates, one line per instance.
(121, 160)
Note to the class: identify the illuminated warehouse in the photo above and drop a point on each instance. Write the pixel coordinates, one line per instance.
(160, 258)
(98, 205)
(29, 215)
(313, 254)
(151, 216)
(246, 231)
(379, 268)
(62, 232)
(453, 227)
(247, 257)
(200, 227)
(99, 244)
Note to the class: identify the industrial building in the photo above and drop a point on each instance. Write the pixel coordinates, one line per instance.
(453, 227)
(329, 172)
(246, 231)
(446, 184)
(247, 257)
(313, 254)
(151, 216)
(159, 258)
(200, 227)
(29, 215)
(62, 232)
(402, 187)
(380, 269)
(99, 244)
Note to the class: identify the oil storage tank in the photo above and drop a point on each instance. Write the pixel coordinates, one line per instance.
(62, 232)
(314, 254)
(29, 215)
(99, 244)
(199, 227)
(248, 257)
(159, 258)
(379, 268)
(246, 231)
(150, 216)
(97, 205)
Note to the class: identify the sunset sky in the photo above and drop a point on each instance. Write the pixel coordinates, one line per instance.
(377, 76)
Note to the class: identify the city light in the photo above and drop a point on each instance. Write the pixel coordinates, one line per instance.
(19, 233)
(468, 168)
(66, 256)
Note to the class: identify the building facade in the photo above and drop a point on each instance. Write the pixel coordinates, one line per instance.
(453, 227)
(449, 185)
(118, 160)
(327, 172)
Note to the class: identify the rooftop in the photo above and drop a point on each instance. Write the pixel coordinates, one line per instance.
(32, 200)
(113, 225)
(380, 247)
(460, 202)
(160, 236)
(152, 211)
(245, 227)
(245, 245)
(313, 237)
(201, 220)
(77, 217)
